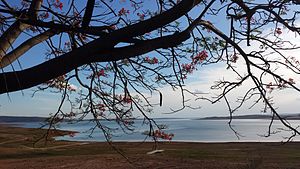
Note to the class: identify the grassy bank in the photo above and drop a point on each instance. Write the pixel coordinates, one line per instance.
(17, 150)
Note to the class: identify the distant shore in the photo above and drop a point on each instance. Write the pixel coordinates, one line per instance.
(288, 117)
(19, 149)
(16, 119)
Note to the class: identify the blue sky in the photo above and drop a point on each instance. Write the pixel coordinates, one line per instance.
(22, 103)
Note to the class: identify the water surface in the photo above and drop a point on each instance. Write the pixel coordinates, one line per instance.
(187, 130)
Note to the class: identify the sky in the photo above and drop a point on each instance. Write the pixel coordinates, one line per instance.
(23, 103)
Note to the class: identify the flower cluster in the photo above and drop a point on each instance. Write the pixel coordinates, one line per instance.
(234, 58)
(58, 4)
(44, 15)
(282, 84)
(270, 87)
(292, 60)
(97, 74)
(200, 57)
(125, 62)
(125, 99)
(123, 11)
(70, 115)
(72, 133)
(25, 3)
(128, 122)
(163, 135)
(291, 81)
(101, 107)
(33, 29)
(278, 31)
(67, 47)
(60, 83)
(142, 16)
(149, 60)
(113, 27)
(190, 67)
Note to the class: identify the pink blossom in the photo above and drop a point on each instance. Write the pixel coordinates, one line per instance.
(44, 15)
(71, 88)
(142, 16)
(72, 134)
(101, 107)
(234, 58)
(278, 31)
(200, 57)
(187, 68)
(58, 4)
(97, 74)
(127, 100)
(25, 4)
(113, 27)
(123, 11)
(291, 80)
(269, 85)
(101, 73)
(162, 135)
(153, 60)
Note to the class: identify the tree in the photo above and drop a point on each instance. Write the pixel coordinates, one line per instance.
(114, 49)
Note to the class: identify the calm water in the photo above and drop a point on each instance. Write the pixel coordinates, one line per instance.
(185, 130)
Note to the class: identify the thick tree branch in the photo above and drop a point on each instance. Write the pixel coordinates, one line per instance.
(6, 4)
(130, 31)
(34, 7)
(14, 31)
(24, 47)
(91, 52)
(53, 68)
(88, 13)
(142, 47)
(10, 35)
(93, 30)
(157, 21)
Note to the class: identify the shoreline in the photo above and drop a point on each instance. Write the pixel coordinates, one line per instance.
(61, 133)
(204, 132)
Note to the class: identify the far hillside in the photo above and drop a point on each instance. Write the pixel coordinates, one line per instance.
(12, 119)
(257, 116)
